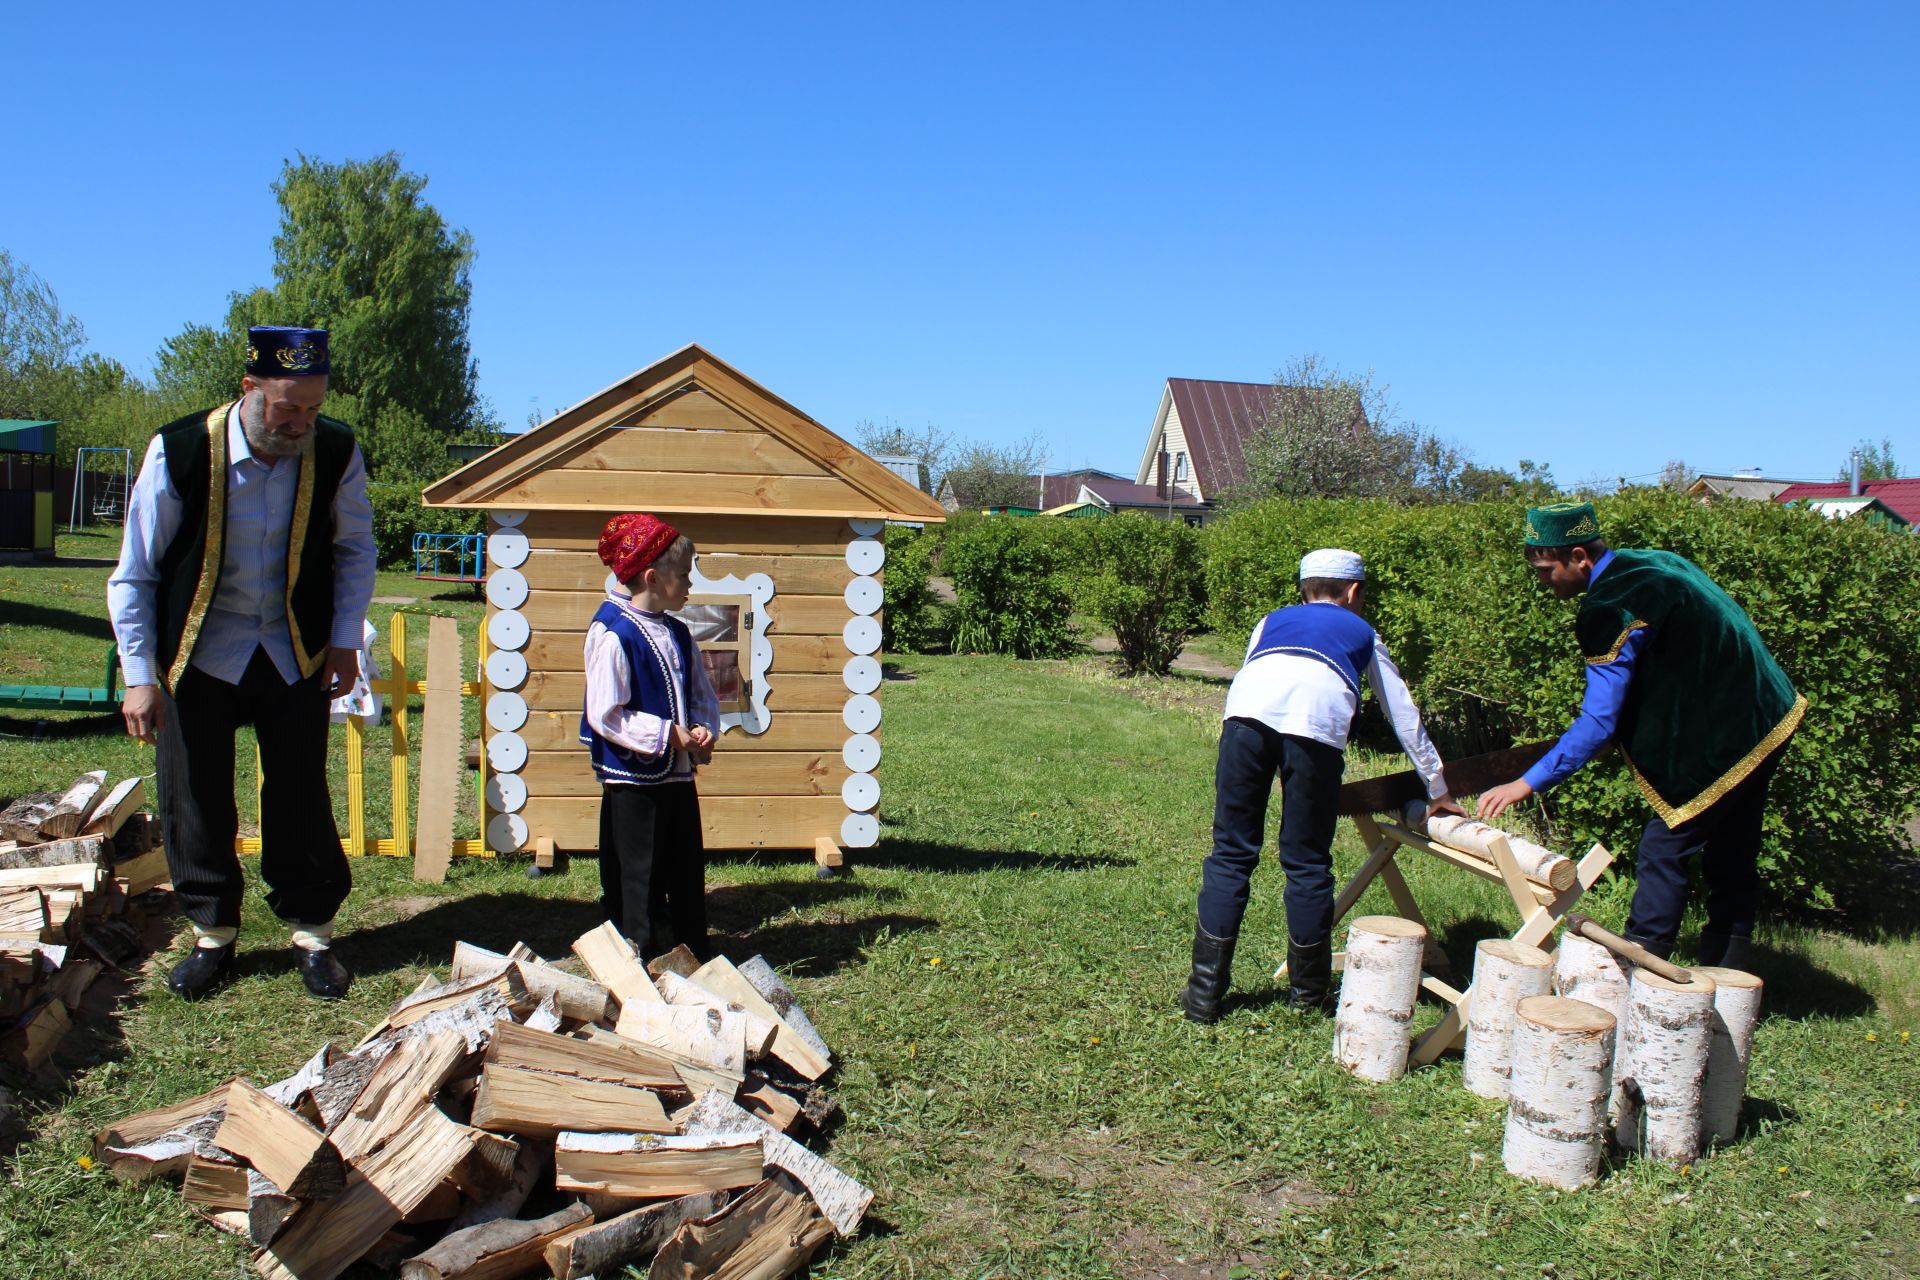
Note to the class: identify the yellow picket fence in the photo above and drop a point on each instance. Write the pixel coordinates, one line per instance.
(396, 687)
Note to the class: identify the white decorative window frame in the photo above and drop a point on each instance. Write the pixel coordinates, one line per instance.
(757, 587)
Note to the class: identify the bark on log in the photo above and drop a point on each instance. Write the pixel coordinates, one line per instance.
(699, 1035)
(1535, 862)
(1378, 988)
(604, 1248)
(1663, 1064)
(687, 994)
(1631, 954)
(649, 1168)
(530, 1164)
(57, 853)
(769, 1233)
(695, 1077)
(1736, 1012)
(20, 820)
(1584, 970)
(841, 1198)
(70, 811)
(1504, 974)
(494, 1250)
(719, 976)
(581, 999)
(778, 994)
(1556, 1114)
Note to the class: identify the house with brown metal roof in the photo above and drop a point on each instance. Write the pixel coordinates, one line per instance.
(1198, 442)
(1901, 497)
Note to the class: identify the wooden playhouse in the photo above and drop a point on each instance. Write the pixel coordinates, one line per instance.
(787, 520)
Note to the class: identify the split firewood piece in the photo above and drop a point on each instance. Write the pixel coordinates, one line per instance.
(405, 1078)
(23, 914)
(771, 1232)
(126, 798)
(473, 1020)
(161, 1143)
(489, 1168)
(142, 872)
(614, 964)
(532, 1158)
(1504, 974)
(581, 999)
(1663, 1062)
(69, 813)
(539, 1104)
(295, 1092)
(139, 833)
(215, 1185)
(1378, 988)
(605, 1248)
(643, 1167)
(680, 960)
(494, 1250)
(440, 1205)
(842, 1198)
(695, 1034)
(1535, 862)
(237, 1199)
(695, 1077)
(719, 976)
(341, 1082)
(20, 821)
(57, 853)
(612, 1060)
(1557, 1109)
(1736, 1011)
(778, 994)
(688, 994)
(329, 1236)
(87, 877)
(69, 986)
(767, 1101)
(299, 1158)
(545, 1017)
(450, 995)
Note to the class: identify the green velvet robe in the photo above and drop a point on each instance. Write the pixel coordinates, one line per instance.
(1708, 703)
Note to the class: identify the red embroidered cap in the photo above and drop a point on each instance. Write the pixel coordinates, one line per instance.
(633, 541)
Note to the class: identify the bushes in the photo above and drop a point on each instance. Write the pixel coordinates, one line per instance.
(1837, 601)
(1011, 585)
(1144, 579)
(912, 620)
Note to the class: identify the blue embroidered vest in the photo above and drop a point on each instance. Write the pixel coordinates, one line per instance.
(1325, 632)
(651, 689)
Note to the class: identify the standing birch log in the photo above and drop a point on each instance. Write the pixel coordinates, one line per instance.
(1585, 970)
(1504, 974)
(1736, 1011)
(1663, 1062)
(1556, 1114)
(1377, 993)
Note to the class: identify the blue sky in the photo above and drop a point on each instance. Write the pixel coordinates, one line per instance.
(1598, 236)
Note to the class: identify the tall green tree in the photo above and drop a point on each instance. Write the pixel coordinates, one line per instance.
(1876, 462)
(40, 345)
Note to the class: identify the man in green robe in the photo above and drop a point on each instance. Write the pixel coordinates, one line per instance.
(1680, 680)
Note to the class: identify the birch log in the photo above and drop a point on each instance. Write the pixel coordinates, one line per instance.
(1377, 992)
(1736, 1011)
(1504, 974)
(1556, 1115)
(1536, 862)
(69, 813)
(1584, 970)
(1663, 1062)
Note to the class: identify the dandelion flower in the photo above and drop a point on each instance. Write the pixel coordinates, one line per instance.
(85, 1162)
(935, 963)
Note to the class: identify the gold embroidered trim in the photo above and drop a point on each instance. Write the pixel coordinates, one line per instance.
(1613, 653)
(1727, 781)
(214, 552)
(296, 543)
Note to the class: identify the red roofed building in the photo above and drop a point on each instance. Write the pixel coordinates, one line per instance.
(1902, 497)
(1197, 445)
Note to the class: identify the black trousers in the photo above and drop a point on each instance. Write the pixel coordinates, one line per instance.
(1250, 755)
(653, 866)
(301, 861)
(1726, 839)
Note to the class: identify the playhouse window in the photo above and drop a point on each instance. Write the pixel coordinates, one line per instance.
(722, 627)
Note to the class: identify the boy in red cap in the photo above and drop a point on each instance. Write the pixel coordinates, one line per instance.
(651, 717)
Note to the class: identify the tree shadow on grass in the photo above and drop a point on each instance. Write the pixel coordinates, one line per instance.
(21, 613)
(813, 948)
(1798, 989)
(62, 724)
(927, 855)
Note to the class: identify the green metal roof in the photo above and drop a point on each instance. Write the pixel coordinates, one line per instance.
(29, 435)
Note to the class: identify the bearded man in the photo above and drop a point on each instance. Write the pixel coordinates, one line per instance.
(244, 580)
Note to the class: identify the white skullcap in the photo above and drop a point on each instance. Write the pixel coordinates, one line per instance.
(1331, 562)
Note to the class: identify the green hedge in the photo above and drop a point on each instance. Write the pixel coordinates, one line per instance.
(1142, 578)
(1482, 644)
(912, 618)
(1012, 582)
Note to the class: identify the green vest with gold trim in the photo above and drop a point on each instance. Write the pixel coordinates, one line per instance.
(1708, 703)
(196, 460)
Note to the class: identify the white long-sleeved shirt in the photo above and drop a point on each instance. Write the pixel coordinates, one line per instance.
(249, 610)
(1306, 697)
(609, 686)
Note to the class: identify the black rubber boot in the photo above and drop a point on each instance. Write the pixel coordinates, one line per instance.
(195, 977)
(1728, 951)
(325, 977)
(1212, 966)
(1309, 973)
(1712, 949)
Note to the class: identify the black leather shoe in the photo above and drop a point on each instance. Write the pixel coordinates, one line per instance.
(1212, 966)
(1727, 951)
(1309, 973)
(325, 977)
(195, 977)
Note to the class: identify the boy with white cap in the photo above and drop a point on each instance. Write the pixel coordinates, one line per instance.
(1288, 712)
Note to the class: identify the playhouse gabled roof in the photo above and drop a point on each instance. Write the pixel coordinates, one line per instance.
(712, 441)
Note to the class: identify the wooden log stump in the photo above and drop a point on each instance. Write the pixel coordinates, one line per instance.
(1504, 974)
(1663, 1062)
(1585, 970)
(1377, 993)
(1736, 1011)
(1556, 1112)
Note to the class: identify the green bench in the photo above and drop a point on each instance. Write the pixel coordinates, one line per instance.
(53, 697)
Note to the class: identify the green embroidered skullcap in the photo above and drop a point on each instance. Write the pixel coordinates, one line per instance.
(1563, 524)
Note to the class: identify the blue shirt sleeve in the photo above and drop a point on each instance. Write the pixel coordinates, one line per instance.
(1599, 717)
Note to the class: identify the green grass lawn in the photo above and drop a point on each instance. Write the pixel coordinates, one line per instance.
(998, 980)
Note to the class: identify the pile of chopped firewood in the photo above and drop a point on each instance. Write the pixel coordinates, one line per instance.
(519, 1117)
(74, 867)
